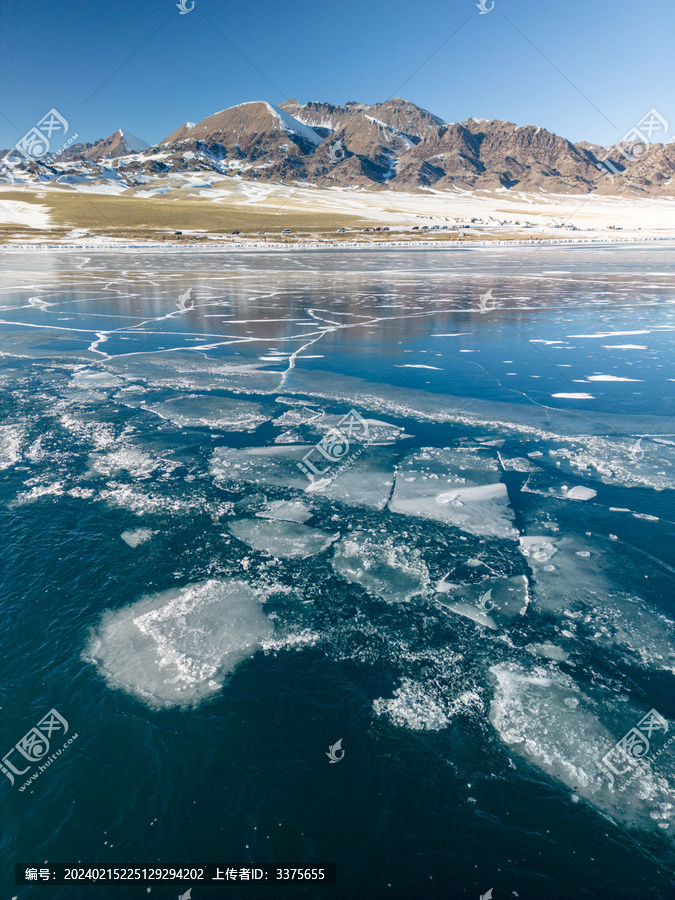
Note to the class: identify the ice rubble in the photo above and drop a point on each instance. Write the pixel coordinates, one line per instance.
(130, 459)
(421, 708)
(387, 570)
(545, 717)
(137, 536)
(285, 540)
(414, 707)
(11, 437)
(458, 487)
(178, 646)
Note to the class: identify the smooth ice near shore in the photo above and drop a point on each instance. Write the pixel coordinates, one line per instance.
(546, 718)
(385, 569)
(284, 540)
(178, 646)
(458, 487)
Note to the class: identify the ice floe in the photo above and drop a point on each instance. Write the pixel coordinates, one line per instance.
(547, 719)
(208, 411)
(381, 566)
(178, 646)
(286, 540)
(458, 487)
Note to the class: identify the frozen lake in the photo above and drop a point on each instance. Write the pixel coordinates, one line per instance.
(418, 501)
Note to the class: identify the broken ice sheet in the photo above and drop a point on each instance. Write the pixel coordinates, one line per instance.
(178, 646)
(492, 602)
(458, 487)
(285, 540)
(288, 510)
(388, 570)
(210, 411)
(92, 379)
(545, 717)
(360, 479)
(262, 466)
(364, 478)
(129, 459)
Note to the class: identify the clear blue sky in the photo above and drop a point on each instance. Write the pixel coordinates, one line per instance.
(572, 66)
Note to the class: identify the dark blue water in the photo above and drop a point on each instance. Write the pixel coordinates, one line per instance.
(470, 757)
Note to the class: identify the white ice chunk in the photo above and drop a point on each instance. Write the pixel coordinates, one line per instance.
(471, 611)
(130, 459)
(178, 646)
(286, 540)
(413, 706)
(579, 492)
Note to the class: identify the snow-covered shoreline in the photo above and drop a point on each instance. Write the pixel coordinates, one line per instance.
(270, 246)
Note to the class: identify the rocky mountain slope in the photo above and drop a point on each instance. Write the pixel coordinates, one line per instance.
(394, 144)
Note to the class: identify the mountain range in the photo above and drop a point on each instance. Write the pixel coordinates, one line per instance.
(394, 144)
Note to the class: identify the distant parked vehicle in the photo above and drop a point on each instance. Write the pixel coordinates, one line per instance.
(341, 230)
(386, 229)
(416, 228)
(236, 232)
(286, 231)
(378, 229)
(178, 232)
(261, 232)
